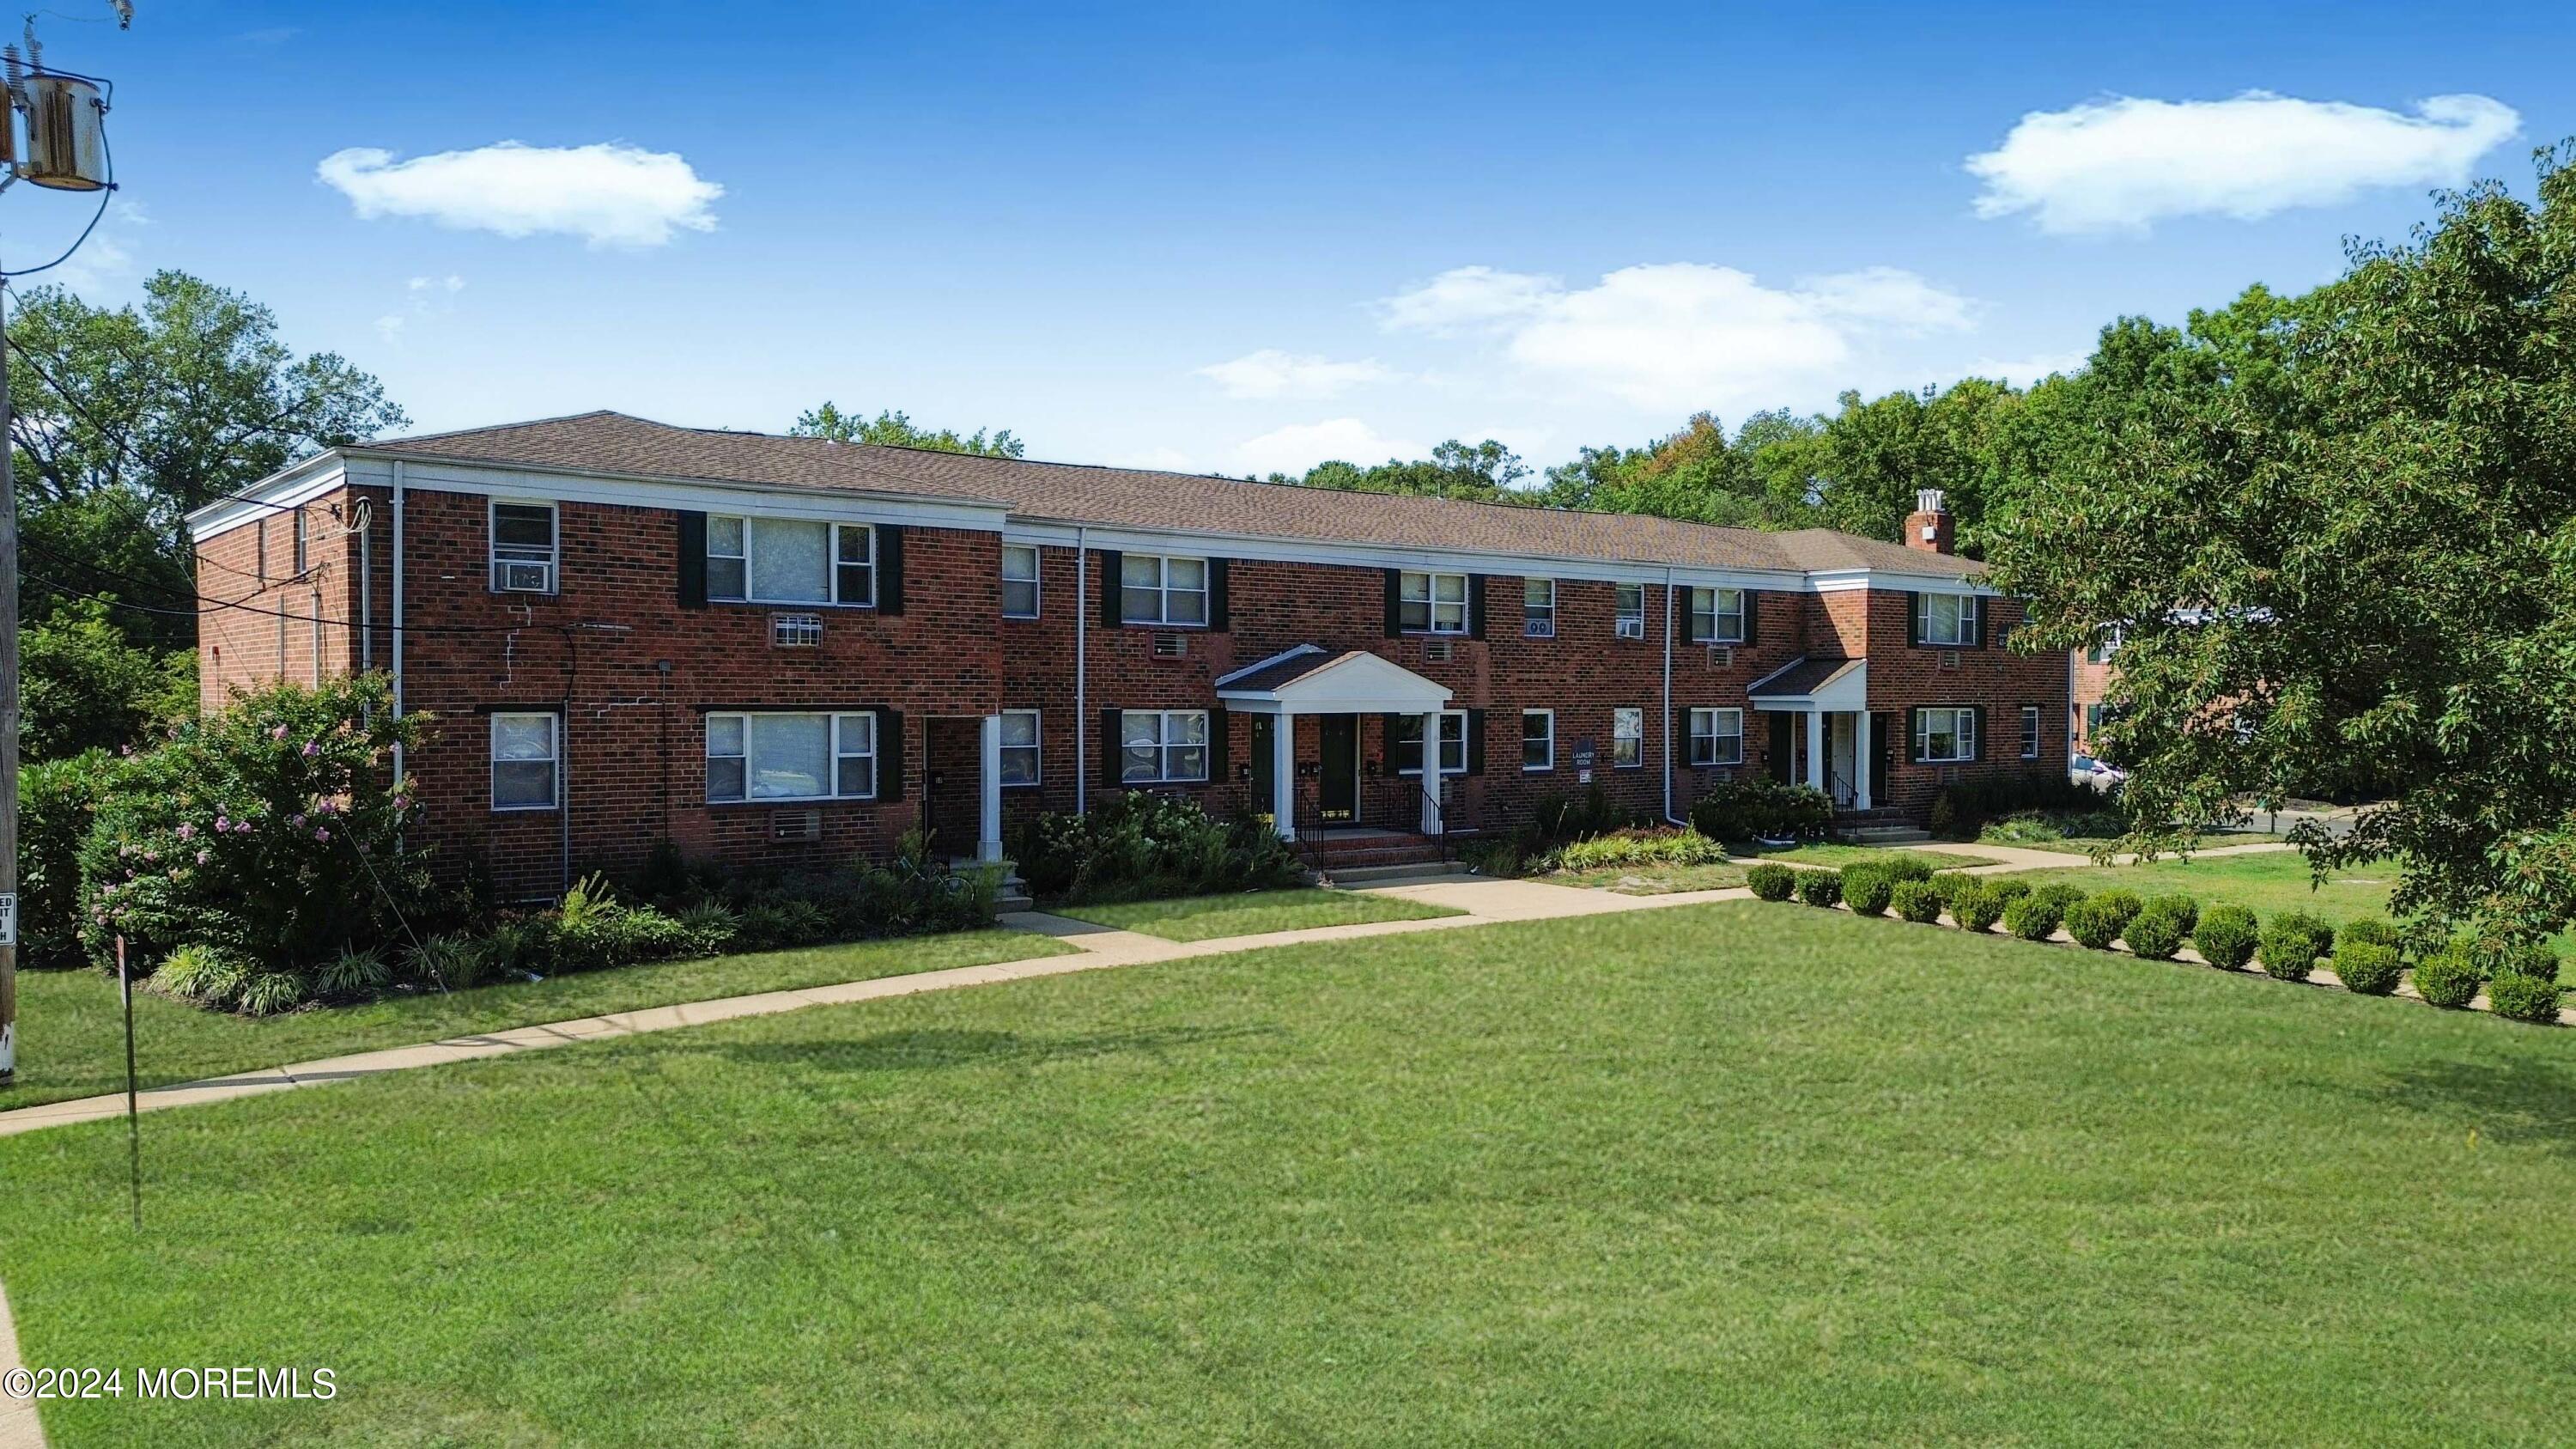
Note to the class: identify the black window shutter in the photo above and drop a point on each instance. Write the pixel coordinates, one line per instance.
(1475, 742)
(1979, 712)
(1219, 767)
(1111, 565)
(1914, 620)
(1386, 740)
(1394, 602)
(1978, 602)
(1109, 762)
(1914, 734)
(1752, 614)
(889, 753)
(1475, 606)
(1681, 734)
(889, 569)
(1219, 611)
(693, 560)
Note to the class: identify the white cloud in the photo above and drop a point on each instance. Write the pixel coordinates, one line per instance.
(2023, 371)
(1680, 335)
(607, 194)
(1299, 446)
(389, 327)
(2123, 163)
(1271, 373)
(451, 284)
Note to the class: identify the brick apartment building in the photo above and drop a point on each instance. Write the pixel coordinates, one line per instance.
(773, 649)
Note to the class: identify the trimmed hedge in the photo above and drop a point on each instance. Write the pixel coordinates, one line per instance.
(2008, 890)
(2447, 979)
(2035, 917)
(2367, 967)
(2096, 921)
(1977, 907)
(1948, 883)
(1820, 887)
(2225, 936)
(1771, 882)
(2532, 959)
(2122, 903)
(1867, 889)
(2291, 944)
(2366, 931)
(2524, 998)
(1917, 901)
(2156, 935)
(2184, 909)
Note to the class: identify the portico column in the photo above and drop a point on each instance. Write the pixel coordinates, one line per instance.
(1431, 773)
(1283, 774)
(1816, 748)
(989, 734)
(1860, 759)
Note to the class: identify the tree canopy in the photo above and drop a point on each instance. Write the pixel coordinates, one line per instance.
(896, 430)
(2336, 534)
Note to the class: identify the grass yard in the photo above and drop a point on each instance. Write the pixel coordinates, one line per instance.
(2264, 882)
(1651, 880)
(1724, 1173)
(1252, 913)
(2087, 844)
(71, 1031)
(1838, 856)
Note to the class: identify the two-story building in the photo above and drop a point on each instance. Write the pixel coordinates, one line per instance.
(768, 649)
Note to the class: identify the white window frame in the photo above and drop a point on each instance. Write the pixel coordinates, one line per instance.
(1163, 590)
(2103, 645)
(499, 554)
(1548, 715)
(303, 541)
(835, 738)
(1963, 629)
(1704, 732)
(1705, 614)
(1416, 588)
(1413, 722)
(1962, 729)
(1627, 623)
(1628, 742)
(2030, 732)
(1036, 594)
(1538, 616)
(553, 760)
(1037, 758)
(1165, 745)
(834, 596)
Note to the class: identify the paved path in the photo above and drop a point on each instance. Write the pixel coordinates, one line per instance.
(18, 1426)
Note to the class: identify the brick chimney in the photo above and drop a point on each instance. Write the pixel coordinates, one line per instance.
(1928, 526)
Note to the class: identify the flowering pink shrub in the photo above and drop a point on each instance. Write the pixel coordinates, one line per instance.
(268, 829)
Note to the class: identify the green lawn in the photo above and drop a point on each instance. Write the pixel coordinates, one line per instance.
(71, 1035)
(1252, 913)
(2264, 882)
(1838, 856)
(1732, 1173)
(2087, 844)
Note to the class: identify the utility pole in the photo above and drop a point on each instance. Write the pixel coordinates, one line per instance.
(8, 715)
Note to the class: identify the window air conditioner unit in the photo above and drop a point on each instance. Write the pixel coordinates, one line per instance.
(796, 825)
(1439, 651)
(1949, 658)
(1721, 656)
(527, 576)
(1538, 628)
(1632, 628)
(795, 631)
(1169, 646)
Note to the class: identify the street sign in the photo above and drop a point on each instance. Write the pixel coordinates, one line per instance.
(9, 919)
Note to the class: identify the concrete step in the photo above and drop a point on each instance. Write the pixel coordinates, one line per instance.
(1390, 874)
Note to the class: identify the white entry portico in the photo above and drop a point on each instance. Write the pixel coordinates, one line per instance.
(1310, 680)
(1833, 695)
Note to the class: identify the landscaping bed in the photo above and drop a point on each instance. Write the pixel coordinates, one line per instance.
(1555, 1182)
(1252, 913)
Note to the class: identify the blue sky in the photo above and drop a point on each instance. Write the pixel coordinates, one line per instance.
(1241, 237)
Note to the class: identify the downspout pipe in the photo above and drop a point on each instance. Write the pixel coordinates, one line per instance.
(398, 609)
(1669, 817)
(1081, 670)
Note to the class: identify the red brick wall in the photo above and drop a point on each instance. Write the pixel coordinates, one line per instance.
(1902, 677)
(2092, 686)
(258, 620)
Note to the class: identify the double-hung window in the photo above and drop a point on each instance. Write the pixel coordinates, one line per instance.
(1538, 608)
(791, 757)
(1432, 603)
(1538, 740)
(303, 542)
(524, 548)
(1945, 735)
(790, 561)
(1453, 743)
(1158, 589)
(1717, 616)
(1627, 738)
(1019, 581)
(1950, 620)
(527, 761)
(1630, 620)
(2103, 646)
(1162, 746)
(1019, 747)
(2030, 732)
(1717, 737)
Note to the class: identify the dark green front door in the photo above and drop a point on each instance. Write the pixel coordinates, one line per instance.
(1341, 782)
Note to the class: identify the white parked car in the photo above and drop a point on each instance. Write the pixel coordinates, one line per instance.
(2086, 770)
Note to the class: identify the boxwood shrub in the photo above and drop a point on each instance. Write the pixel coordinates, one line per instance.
(2155, 935)
(2008, 890)
(1917, 901)
(2531, 959)
(1867, 889)
(2095, 921)
(1976, 907)
(2368, 967)
(1771, 882)
(2523, 998)
(2291, 943)
(2184, 910)
(1948, 883)
(1820, 887)
(2124, 904)
(2034, 917)
(2447, 979)
(2366, 931)
(1904, 867)
(2225, 936)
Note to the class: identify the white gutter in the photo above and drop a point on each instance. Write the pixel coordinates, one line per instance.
(1669, 817)
(1081, 671)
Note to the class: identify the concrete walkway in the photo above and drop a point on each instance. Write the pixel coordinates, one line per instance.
(18, 1426)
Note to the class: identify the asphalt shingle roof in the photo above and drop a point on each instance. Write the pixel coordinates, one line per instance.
(610, 442)
(1800, 678)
